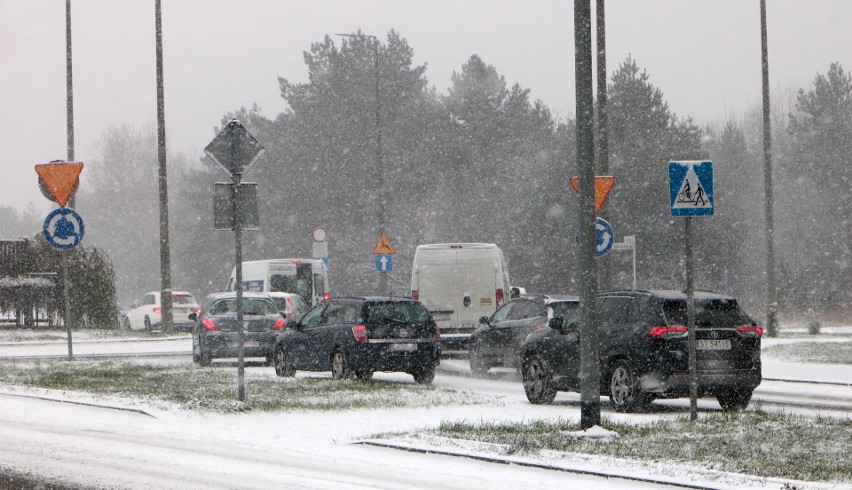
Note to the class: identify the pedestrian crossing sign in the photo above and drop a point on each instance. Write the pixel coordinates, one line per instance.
(691, 188)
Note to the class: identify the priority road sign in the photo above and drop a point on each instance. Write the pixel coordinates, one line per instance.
(234, 149)
(59, 179)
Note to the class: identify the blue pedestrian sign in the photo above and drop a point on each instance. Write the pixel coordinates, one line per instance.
(384, 262)
(63, 228)
(604, 237)
(691, 188)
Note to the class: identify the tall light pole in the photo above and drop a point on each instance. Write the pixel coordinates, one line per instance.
(165, 260)
(380, 170)
(771, 299)
(605, 268)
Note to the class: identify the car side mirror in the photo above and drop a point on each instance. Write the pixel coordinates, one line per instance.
(515, 293)
(193, 316)
(556, 323)
(483, 320)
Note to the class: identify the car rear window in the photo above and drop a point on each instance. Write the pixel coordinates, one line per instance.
(714, 313)
(183, 299)
(390, 312)
(251, 306)
(563, 309)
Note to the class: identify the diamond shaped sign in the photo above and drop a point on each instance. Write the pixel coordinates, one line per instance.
(234, 149)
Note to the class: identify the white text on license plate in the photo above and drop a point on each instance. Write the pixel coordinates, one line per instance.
(403, 347)
(441, 316)
(251, 343)
(709, 344)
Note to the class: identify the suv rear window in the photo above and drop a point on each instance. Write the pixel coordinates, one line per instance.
(713, 313)
(251, 306)
(563, 309)
(393, 312)
(182, 299)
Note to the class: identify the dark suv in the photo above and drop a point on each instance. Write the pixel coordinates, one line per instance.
(357, 336)
(497, 341)
(644, 350)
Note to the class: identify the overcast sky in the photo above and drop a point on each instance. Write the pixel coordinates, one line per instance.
(221, 55)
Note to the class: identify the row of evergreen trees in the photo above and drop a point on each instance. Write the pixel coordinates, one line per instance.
(484, 163)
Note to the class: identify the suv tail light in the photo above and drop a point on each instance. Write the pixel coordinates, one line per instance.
(280, 324)
(360, 333)
(667, 332)
(437, 332)
(197, 310)
(499, 294)
(750, 331)
(209, 325)
(415, 294)
(157, 310)
(326, 296)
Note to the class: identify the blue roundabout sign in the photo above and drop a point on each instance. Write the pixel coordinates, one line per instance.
(63, 228)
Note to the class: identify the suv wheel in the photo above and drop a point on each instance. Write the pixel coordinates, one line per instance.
(424, 375)
(734, 401)
(624, 391)
(283, 364)
(478, 366)
(363, 374)
(339, 365)
(537, 381)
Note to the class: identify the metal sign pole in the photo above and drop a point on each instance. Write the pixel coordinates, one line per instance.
(241, 335)
(690, 322)
(65, 278)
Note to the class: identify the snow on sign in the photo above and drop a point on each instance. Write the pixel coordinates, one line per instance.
(691, 188)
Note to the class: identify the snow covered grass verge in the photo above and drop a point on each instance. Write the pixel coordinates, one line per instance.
(215, 389)
(763, 444)
(820, 353)
(15, 335)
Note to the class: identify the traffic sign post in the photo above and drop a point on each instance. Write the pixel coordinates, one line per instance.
(691, 194)
(320, 245)
(384, 258)
(63, 227)
(235, 150)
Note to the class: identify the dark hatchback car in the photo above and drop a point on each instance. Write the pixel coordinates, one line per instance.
(644, 351)
(354, 337)
(215, 333)
(497, 342)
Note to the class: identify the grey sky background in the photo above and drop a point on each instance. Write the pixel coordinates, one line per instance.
(221, 55)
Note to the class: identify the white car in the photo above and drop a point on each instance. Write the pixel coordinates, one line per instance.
(147, 313)
(290, 305)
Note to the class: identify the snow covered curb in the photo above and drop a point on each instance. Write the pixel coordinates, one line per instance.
(661, 472)
(105, 401)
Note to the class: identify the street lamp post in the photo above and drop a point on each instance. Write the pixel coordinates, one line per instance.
(380, 171)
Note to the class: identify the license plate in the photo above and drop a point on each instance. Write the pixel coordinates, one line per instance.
(440, 316)
(251, 343)
(707, 344)
(403, 347)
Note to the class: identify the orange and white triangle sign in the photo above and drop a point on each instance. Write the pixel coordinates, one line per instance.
(60, 179)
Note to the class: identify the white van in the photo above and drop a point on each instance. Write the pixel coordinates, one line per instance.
(459, 283)
(306, 277)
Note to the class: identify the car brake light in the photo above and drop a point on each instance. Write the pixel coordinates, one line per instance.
(415, 294)
(209, 325)
(157, 310)
(296, 261)
(751, 331)
(289, 303)
(667, 332)
(360, 333)
(437, 332)
(197, 310)
(540, 325)
(280, 324)
(499, 294)
(326, 296)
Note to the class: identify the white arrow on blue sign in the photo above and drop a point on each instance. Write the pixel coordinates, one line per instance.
(691, 188)
(63, 228)
(604, 237)
(384, 262)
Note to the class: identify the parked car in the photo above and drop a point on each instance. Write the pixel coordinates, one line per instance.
(497, 342)
(215, 333)
(291, 305)
(354, 337)
(644, 350)
(147, 313)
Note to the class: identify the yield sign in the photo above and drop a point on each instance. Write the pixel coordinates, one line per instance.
(234, 149)
(60, 178)
(603, 184)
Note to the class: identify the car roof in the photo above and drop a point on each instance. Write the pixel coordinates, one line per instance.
(549, 298)
(670, 293)
(233, 294)
(375, 299)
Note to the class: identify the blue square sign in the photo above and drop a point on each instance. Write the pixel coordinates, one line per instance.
(691, 188)
(384, 262)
